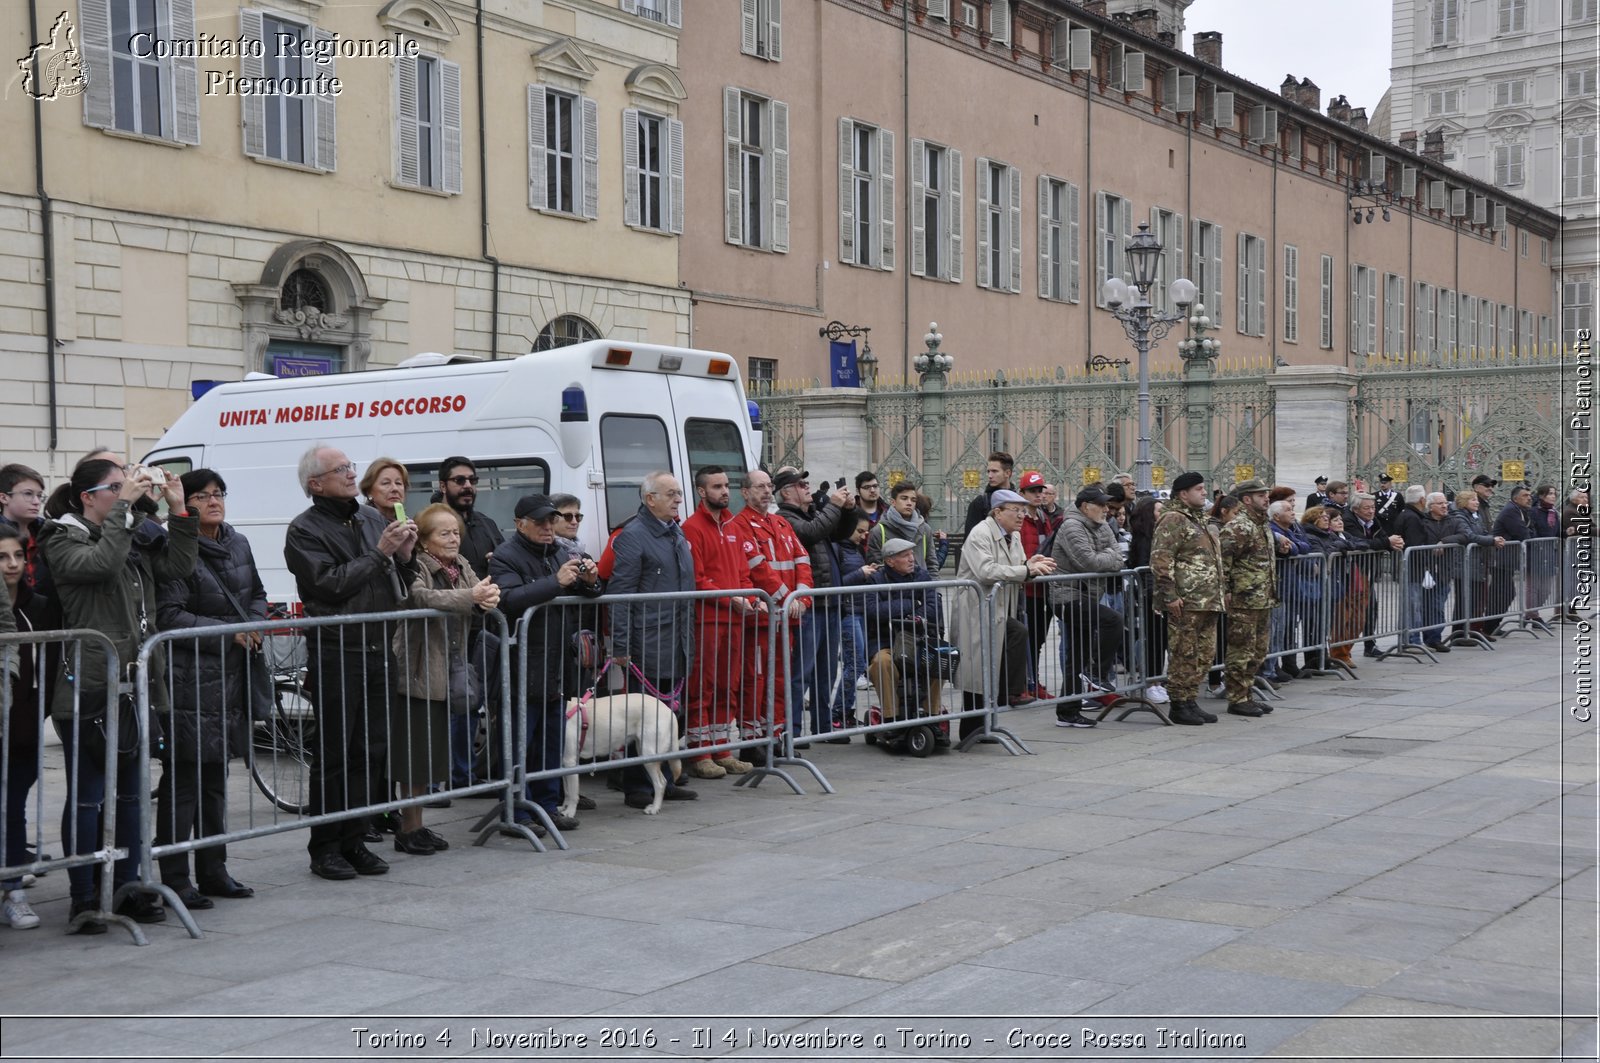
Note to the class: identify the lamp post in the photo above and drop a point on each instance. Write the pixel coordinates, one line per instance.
(1144, 326)
(1198, 350)
(932, 366)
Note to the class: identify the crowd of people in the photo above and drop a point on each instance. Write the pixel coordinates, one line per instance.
(816, 594)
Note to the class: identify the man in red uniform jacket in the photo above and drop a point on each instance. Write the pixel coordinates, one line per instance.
(779, 565)
(724, 686)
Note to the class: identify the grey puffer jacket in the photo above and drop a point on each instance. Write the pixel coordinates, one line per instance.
(653, 557)
(1081, 545)
(209, 674)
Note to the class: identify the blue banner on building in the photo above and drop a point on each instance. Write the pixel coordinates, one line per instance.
(842, 369)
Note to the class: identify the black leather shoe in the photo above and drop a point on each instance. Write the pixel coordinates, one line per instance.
(564, 822)
(435, 839)
(365, 861)
(225, 887)
(1207, 717)
(194, 900)
(88, 927)
(414, 842)
(1186, 714)
(1371, 650)
(332, 866)
(1266, 710)
(1243, 708)
(679, 792)
(639, 799)
(141, 909)
(373, 836)
(586, 803)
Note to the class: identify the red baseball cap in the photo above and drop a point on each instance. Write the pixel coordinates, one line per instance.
(1030, 480)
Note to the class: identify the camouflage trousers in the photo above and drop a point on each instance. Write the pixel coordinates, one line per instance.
(1191, 646)
(1247, 648)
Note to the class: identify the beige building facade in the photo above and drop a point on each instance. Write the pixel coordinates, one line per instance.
(307, 186)
(983, 165)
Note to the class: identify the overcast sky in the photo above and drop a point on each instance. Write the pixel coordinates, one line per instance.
(1342, 45)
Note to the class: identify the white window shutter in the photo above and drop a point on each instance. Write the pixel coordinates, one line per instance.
(1179, 236)
(407, 170)
(939, 9)
(886, 200)
(1061, 42)
(675, 13)
(847, 213)
(1370, 327)
(774, 30)
(450, 145)
(1082, 49)
(1258, 309)
(1000, 21)
(1102, 264)
(1221, 109)
(591, 157)
(1377, 167)
(675, 177)
(1133, 72)
(1480, 210)
(981, 172)
(919, 235)
(1186, 89)
(954, 245)
(1074, 234)
(1435, 195)
(1218, 287)
(747, 27)
(252, 65)
(630, 167)
(1243, 273)
(732, 197)
(94, 42)
(1127, 233)
(1355, 310)
(537, 190)
(1197, 264)
(1499, 217)
(1408, 182)
(325, 105)
(779, 113)
(185, 78)
(1044, 237)
(630, 7)
(1458, 203)
(1014, 226)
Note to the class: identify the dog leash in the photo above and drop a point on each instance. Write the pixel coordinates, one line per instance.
(651, 689)
(581, 706)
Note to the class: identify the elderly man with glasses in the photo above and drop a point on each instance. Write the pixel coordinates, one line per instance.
(347, 559)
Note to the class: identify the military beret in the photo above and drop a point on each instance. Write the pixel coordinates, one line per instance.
(1186, 481)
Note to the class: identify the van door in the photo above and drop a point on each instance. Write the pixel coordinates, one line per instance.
(711, 430)
(632, 445)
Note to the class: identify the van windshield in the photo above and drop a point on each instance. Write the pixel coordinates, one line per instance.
(500, 484)
(631, 447)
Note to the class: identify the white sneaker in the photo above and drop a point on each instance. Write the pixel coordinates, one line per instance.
(1156, 693)
(862, 683)
(18, 912)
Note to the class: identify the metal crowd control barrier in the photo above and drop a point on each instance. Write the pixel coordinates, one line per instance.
(1301, 621)
(1496, 586)
(103, 831)
(1541, 583)
(903, 632)
(1469, 622)
(332, 743)
(709, 660)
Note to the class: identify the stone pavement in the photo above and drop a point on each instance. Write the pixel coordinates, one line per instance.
(1399, 867)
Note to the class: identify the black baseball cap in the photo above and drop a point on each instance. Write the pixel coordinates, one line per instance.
(1488, 481)
(535, 507)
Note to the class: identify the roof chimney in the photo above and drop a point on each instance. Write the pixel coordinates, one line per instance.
(1358, 119)
(1208, 47)
(1339, 109)
(1310, 94)
(1290, 89)
(1168, 38)
(1408, 141)
(1096, 7)
(1145, 21)
(1433, 146)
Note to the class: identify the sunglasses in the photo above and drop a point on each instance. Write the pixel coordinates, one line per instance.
(575, 518)
(463, 481)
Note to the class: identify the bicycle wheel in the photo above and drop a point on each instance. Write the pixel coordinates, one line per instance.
(281, 750)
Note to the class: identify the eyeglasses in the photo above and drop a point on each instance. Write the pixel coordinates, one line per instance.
(105, 487)
(209, 496)
(339, 470)
(869, 487)
(462, 481)
(575, 518)
(668, 494)
(26, 495)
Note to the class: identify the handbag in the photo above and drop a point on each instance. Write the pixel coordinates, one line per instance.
(263, 699)
(464, 692)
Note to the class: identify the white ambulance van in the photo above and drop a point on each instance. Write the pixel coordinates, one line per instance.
(590, 420)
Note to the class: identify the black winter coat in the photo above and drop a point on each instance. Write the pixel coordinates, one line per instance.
(884, 608)
(332, 550)
(525, 572)
(209, 674)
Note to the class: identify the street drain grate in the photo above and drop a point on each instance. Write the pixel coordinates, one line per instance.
(1350, 746)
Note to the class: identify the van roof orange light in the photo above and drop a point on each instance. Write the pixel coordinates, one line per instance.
(618, 356)
(719, 367)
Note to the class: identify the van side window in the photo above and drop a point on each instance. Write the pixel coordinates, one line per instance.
(173, 467)
(715, 443)
(500, 484)
(631, 447)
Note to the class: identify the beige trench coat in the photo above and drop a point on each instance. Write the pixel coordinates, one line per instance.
(993, 559)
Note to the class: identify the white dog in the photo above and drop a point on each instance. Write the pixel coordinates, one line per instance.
(604, 725)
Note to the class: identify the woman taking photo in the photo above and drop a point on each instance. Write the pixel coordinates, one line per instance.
(211, 693)
(107, 563)
(385, 485)
(433, 669)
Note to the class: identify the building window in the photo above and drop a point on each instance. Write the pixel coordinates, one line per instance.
(1485, 326)
(1580, 10)
(1363, 310)
(1446, 339)
(1513, 16)
(564, 330)
(137, 76)
(1513, 93)
(1058, 240)
(1525, 334)
(1206, 268)
(1252, 285)
(1522, 243)
(756, 170)
(1444, 23)
(1422, 325)
(1578, 167)
(1325, 303)
(1544, 251)
(1168, 228)
(1577, 307)
(1508, 160)
(760, 29)
(296, 126)
(866, 195)
(1444, 102)
(1508, 329)
(563, 152)
(428, 123)
(1000, 21)
(1579, 83)
(763, 372)
(666, 12)
(127, 84)
(1291, 293)
(561, 166)
(936, 222)
(652, 179)
(1113, 225)
(288, 126)
(999, 222)
(1394, 315)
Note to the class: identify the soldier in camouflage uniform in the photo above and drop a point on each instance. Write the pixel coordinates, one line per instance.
(1249, 562)
(1186, 563)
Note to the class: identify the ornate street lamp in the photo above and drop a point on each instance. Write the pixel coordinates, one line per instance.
(1144, 326)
